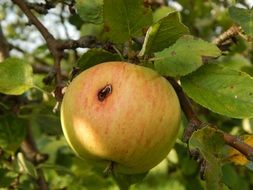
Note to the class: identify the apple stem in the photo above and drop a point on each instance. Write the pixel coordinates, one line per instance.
(109, 169)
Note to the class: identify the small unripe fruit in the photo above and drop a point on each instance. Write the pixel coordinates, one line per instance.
(121, 113)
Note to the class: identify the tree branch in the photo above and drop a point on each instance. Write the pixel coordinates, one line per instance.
(28, 146)
(56, 47)
(83, 42)
(195, 124)
(52, 43)
(4, 47)
(236, 143)
(35, 21)
(31, 152)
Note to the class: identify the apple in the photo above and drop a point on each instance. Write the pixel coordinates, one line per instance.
(121, 113)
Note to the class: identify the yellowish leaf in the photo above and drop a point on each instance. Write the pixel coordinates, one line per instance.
(238, 158)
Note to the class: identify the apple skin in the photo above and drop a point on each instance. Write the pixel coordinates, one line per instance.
(134, 126)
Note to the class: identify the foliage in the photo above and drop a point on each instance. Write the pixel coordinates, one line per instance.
(174, 40)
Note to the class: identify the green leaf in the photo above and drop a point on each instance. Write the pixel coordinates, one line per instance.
(210, 144)
(47, 123)
(244, 17)
(58, 168)
(90, 11)
(124, 19)
(125, 181)
(237, 62)
(95, 56)
(76, 21)
(16, 76)
(185, 56)
(42, 119)
(231, 178)
(222, 90)
(162, 12)
(6, 178)
(163, 33)
(12, 132)
(25, 166)
(91, 29)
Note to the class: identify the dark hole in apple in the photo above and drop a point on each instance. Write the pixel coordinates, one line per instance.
(104, 92)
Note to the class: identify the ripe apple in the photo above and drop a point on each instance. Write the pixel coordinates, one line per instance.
(122, 113)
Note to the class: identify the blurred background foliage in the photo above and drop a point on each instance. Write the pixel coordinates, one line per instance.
(33, 110)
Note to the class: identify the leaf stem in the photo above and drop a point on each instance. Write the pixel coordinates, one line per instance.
(109, 169)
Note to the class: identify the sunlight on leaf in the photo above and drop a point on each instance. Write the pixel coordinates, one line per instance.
(163, 33)
(221, 89)
(184, 57)
(125, 19)
(16, 76)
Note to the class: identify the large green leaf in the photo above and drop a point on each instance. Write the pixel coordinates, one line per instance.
(185, 56)
(16, 76)
(94, 57)
(91, 11)
(163, 33)
(209, 142)
(124, 19)
(222, 90)
(244, 17)
(12, 132)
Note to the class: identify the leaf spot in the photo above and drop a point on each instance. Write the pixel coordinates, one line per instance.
(173, 53)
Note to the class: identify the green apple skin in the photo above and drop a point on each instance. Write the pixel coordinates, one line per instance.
(134, 127)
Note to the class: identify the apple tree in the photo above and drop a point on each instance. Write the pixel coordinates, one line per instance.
(202, 49)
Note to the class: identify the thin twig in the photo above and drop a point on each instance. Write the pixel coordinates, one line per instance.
(63, 22)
